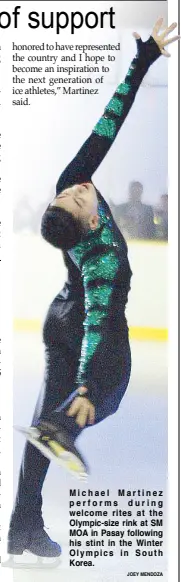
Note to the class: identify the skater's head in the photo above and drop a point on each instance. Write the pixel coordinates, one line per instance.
(82, 203)
(70, 216)
(135, 191)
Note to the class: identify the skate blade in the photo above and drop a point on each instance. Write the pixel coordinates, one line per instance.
(58, 454)
(40, 563)
(31, 430)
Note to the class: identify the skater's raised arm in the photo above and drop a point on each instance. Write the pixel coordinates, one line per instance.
(95, 148)
(102, 272)
(93, 151)
(76, 180)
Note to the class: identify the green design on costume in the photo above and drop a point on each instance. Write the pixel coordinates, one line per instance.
(98, 237)
(100, 266)
(107, 236)
(90, 342)
(130, 71)
(98, 296)
(115, 105)
(123, 89)
(105, 127)
(94, 317)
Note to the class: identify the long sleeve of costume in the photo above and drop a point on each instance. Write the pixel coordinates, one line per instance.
(100, 261)
(102, 269)
(93, 151)
(102, 256)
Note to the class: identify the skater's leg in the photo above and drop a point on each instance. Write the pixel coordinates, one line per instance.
(28, 503)
(115, 368)
(118, 368)
(58, 382)
(53, 426)
(61, 370)
(62, 333)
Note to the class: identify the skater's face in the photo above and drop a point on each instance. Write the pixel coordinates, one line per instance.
(81, 201)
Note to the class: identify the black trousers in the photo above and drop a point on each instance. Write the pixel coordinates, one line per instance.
(62, 334)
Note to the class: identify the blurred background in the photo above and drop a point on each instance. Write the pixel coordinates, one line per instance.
(135, 219)
(41, 141)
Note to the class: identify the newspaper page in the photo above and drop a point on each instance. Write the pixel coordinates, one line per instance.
(88, 168)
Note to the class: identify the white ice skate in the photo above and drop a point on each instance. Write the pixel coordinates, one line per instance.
(57, 447)
(31, 550)
(30, 561)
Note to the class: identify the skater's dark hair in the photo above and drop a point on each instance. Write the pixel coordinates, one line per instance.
(60, 228)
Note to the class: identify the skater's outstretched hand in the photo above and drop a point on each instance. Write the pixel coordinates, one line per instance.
(82, 409)
(161, 39)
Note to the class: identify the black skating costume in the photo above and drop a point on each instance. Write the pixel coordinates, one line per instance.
(85, 332)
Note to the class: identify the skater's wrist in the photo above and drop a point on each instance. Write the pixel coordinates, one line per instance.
(82, 390)
(148, 52)
(91, 390)
(86, 392)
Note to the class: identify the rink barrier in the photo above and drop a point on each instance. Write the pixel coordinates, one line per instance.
(135, 333)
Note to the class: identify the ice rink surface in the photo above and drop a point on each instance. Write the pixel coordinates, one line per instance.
(127, 450)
